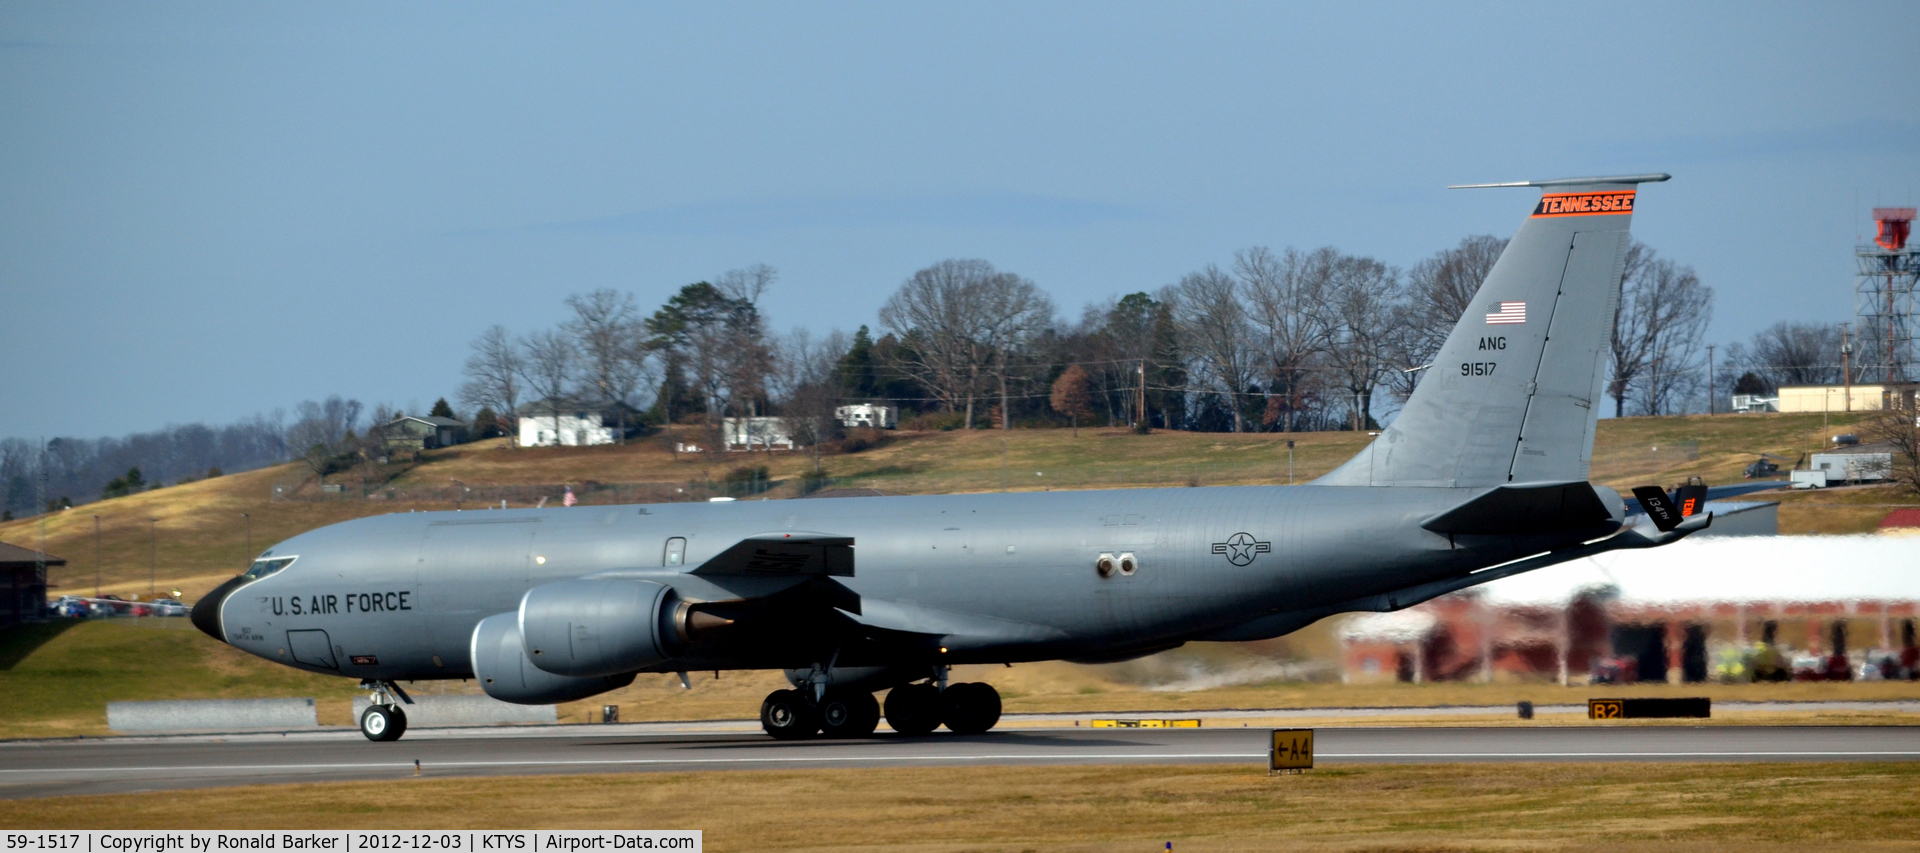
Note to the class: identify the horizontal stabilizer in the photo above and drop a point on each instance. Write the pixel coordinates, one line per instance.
(1651, 178)
(784, 555)
(1523, 508)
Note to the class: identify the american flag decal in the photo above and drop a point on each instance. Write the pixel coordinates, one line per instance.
(1509, 314)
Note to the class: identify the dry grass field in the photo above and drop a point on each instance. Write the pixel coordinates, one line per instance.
(1740, 808)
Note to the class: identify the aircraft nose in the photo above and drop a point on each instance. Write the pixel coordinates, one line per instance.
(206, 611)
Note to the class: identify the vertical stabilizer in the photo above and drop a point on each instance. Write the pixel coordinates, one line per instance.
(1510, 397)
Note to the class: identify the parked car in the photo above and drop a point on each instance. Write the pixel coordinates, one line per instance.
(70, 607)
(169, 607)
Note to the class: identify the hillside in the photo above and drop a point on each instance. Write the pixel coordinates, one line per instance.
(198, 535)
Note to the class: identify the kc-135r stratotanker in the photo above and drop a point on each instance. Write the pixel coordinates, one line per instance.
(1482, 475)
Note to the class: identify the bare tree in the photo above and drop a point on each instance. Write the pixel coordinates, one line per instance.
(1073, 395)
(1898, 427)
(804, 379)
(1795, 354)
(1214, 329)
(1663, 311)
(549, 368)
(1013, 313)
(1440, 288)
(938, 315)
(493, 376)
(606, 328)
(747, 359)
(328, 422)
(1286, 297)
(1366, 300)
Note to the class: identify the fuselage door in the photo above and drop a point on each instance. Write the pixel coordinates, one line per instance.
(312, 647)
(676, 553)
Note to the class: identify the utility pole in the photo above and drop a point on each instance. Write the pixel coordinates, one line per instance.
(1846, 361)
(96, 555)
(247, 557)
(153, 554)
(1289, 461)
(1712, 389)
(1143, 396)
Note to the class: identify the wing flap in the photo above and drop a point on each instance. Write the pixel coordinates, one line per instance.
(784, 555)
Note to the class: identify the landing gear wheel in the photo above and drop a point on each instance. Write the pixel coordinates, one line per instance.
(848, 713)
(382, 723)
(787, 715)
(970, 708)
(913, 709)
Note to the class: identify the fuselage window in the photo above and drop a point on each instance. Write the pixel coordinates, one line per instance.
(676, 551)
(262, 568)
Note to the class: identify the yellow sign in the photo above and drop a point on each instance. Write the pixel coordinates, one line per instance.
(1606, 709)
(1146, 724)
(1292, 749)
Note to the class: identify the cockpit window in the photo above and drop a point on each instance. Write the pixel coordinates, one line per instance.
(262, 568)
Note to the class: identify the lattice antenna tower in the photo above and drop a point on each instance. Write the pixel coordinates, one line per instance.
(1884, 299)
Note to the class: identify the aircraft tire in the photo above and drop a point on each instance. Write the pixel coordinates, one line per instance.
(848, 713)
(787, 715)
(913, 709)
(383, 723)
(970, 707)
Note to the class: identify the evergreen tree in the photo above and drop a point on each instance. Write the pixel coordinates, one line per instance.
(855, 370)
(441, 409)
(486, 424)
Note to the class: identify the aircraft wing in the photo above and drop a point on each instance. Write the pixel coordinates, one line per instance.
(791, 555)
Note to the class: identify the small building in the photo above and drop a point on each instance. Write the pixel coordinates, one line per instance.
(23, 584)
(1900, 522)
(566, 423)
(1858, 463)
(408, 432)
(756, 433)
(1751, 403)
(868, 415)
(1843, 398)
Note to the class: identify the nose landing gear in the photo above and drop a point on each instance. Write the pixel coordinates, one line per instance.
(381, 723)
(383, 720)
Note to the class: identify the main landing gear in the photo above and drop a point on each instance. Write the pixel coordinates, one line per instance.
(968, 708)
(383, 720)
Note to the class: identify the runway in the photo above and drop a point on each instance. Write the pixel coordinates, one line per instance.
(53, 768)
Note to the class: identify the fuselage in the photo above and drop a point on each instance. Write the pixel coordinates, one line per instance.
(993, 577)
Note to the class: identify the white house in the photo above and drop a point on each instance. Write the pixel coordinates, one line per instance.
(574, 425)
(751, 433)
(868, 415)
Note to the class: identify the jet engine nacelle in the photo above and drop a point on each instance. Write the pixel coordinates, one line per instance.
(500, 663)
(601, 626)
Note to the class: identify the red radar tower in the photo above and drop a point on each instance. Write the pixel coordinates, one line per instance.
(1884, 301)
(1895, 224)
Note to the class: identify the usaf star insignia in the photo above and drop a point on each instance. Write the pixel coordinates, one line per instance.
(1240, 548)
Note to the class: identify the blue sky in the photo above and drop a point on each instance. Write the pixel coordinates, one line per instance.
(211, 210)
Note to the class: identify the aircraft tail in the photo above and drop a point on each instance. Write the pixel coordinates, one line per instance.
(1511, 396)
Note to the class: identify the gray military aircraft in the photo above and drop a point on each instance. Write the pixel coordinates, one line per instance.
(1482, 475)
